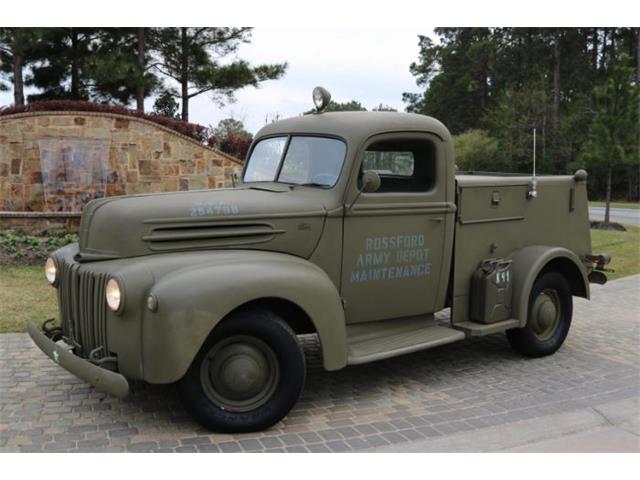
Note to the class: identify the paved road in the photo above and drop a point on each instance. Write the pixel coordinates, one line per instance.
(625, 216)
(475, 395)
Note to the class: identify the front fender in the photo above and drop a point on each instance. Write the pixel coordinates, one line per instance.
(530, 261)
(191, 301)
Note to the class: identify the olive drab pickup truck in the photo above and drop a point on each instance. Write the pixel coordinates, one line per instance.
(354, 226)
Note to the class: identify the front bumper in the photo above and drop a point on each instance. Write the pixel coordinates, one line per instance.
(101, 378)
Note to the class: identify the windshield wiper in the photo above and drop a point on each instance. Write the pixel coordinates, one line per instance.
(265, 188)
(309, 184)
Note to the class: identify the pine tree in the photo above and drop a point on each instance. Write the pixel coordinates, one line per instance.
(120, 67)
(16, 53)
(166, 105)
(192, 57)
(105, 65)
(63, 70)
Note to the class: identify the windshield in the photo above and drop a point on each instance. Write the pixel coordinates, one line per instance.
(296, 160)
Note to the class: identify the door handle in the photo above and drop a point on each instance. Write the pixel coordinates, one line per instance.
(436, 219)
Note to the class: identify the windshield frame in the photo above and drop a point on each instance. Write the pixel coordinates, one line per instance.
(289, 136)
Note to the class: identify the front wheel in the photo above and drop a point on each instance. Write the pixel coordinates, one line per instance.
(247, 376)
(548, 320)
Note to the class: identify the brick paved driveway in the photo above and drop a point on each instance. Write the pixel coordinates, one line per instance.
(456, 388)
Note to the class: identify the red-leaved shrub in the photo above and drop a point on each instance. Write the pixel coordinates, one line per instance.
(233, 144)
(192, 130)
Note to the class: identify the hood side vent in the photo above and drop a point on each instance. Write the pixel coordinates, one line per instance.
(214, 235)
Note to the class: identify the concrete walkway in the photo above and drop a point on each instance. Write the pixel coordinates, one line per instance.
(609, 427)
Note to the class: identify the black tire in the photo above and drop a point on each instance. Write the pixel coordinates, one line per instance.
(542, 336)
(251, 351)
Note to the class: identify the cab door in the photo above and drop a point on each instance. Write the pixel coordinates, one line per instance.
(394, 238)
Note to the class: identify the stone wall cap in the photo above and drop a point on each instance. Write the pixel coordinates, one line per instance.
(119, 116)
(6, 214)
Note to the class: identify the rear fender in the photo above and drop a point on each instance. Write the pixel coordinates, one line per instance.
(193, 300)
(529, 262)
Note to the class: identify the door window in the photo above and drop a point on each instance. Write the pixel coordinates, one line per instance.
(404, 165)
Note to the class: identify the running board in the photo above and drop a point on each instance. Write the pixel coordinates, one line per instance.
(475, 329)
(371, 341)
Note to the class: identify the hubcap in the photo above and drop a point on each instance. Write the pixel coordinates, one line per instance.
(240, 373)
(546, 314)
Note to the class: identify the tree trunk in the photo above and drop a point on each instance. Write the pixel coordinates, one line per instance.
(18, 83)
(608, 197)
(612, 48)
(184, 76)
(638, 83)
(75, 68)
(594, 52)
(544, 139)
(638, 55)
(556, 103)
(604, 49)
(141, 65)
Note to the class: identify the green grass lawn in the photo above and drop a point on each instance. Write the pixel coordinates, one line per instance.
(26, 296)
(624, 248)
(631, 205)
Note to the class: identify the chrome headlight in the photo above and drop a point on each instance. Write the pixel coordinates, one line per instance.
(114, 296)
(50, 271)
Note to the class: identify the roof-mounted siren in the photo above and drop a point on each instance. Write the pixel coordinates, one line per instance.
(533, 185)
(321, 98)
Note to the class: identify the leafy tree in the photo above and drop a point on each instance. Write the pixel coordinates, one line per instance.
(511, 123)
(507, 81)
(455, 74)
(477, 150)
(613, 131)
(235, 145)
(231, 137)
(230, 125)
(166, 105)
(350, 106)
(192, 57)
(384, 108)
(16, 52)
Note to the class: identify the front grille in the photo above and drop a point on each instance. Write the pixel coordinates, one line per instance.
(83, 310)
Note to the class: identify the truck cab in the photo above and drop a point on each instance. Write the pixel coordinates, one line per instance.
(354, 226)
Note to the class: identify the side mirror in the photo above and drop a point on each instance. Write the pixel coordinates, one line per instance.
(370, 181)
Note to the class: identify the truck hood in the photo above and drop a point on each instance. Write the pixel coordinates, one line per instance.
(273, 218)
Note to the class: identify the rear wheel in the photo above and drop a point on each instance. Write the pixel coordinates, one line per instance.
(548, 320)
(247, 376)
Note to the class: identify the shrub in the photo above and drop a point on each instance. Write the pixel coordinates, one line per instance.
(476, 150)
(16, 248)
(234, 144)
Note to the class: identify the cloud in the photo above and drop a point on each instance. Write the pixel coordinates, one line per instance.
(370, 65)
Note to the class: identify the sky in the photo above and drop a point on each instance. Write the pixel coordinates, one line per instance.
(368, 65)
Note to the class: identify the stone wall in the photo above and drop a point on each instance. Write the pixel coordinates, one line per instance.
(58, 161)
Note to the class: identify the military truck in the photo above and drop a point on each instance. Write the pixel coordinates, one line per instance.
(353, 226)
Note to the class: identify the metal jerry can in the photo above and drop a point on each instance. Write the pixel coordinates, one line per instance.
(491, 291)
